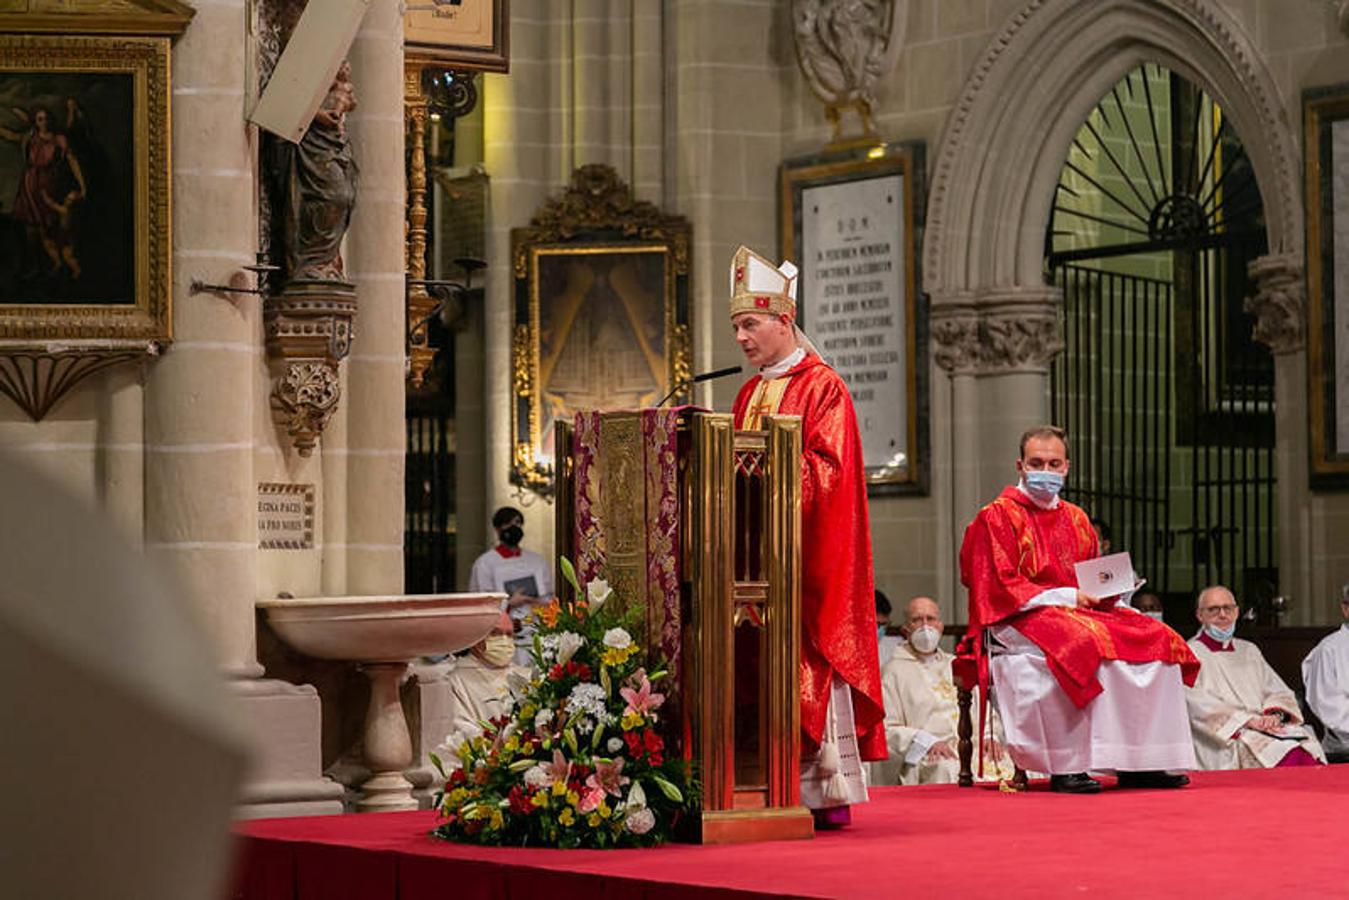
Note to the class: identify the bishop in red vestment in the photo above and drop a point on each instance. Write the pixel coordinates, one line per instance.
(842, 710)
(1085, 685)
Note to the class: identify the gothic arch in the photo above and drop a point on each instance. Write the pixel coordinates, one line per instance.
(1009, 133)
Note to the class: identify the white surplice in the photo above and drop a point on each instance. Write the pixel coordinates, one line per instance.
(1233, 686)
(478, 692)
(920, 711)
(1325, 672)
(828, 782)
(1137, 723)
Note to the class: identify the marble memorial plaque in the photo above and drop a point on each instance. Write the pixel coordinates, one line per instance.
(853, 283)
(285, 516)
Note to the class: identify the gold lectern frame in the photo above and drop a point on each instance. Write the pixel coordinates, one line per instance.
(739, 499)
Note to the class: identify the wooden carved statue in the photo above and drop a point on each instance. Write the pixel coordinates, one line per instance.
(316, 188)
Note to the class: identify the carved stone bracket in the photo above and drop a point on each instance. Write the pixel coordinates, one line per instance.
(997, 333)
(309, 331)
(36, 378)
(1280, 302)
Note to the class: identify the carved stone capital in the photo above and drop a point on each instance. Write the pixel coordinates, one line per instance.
(997, 333)
(1280, 302)
(1343, 13)
(309, 331)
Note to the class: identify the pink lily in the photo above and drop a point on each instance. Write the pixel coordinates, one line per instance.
(608, 778)
(590, 800)
(642, 700)
(559, 770)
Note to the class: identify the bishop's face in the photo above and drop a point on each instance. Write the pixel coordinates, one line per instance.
(764, 339)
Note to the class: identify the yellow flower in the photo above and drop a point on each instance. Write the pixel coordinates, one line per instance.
(559, 788)
(539, 799)
(456, 796)
(616, 656)
(593, 820)
(497, 820)
(632, 721)
(573, 798)
(604, 811)
(512, 743)
(528, 710)
(567, 817)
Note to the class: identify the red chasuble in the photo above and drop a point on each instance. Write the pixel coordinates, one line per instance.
(838, 600)
(1014, 550)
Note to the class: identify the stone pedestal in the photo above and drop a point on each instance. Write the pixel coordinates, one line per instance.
(426, 701)
(284, 778)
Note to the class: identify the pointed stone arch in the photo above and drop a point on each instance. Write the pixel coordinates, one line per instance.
(1004, 145)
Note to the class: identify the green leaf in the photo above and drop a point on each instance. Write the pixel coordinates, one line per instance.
(520, 765)
(598, 736)
(569, 573)
(570, 737)
(605, 682)
(657, 675)
(435, 761)
(669, 790)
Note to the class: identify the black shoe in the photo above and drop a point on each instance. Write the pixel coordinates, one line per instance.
(1152, 779)
(1077, 783)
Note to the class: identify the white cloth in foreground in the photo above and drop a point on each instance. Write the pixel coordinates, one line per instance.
(920, 711)
(477, 692)
(1233, 686)
(1136, 724)
(1325, 671)
(494, 572)
(831, 779)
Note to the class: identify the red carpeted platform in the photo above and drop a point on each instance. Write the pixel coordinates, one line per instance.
(1270, 833)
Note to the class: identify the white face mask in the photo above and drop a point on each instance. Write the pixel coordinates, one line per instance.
(1152, 613)
(497, 651)
(924, 639)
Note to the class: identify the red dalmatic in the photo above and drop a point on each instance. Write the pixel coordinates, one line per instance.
(1015, 550)
(838, 600)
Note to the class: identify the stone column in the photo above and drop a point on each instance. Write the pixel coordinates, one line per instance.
(1279, 306)
(996, 347)
(375, 262)
(199, 496)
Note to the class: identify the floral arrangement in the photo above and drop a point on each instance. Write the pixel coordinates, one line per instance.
(578, 759)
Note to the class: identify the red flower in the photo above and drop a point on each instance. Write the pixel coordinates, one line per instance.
(652, 741)
(519, 801)
(634, 741)
(584, 672)
(457, 777)
(555, 673)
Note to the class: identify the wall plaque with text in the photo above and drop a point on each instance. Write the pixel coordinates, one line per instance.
(851, 223)
(285, 516)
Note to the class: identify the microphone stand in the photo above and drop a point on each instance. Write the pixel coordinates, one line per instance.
(700, 377)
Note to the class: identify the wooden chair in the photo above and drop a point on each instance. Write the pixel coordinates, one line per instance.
(965, 674)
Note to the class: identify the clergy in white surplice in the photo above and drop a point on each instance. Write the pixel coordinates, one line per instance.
(1325, 672)
(921, 711)
(479, 685)
(1242, 714)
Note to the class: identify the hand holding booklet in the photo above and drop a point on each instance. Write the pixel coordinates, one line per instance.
(1106, 576)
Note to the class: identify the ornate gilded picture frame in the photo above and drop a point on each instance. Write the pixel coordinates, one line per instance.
(601, 318)
(852, 221)
(84, 190)
(458, 34)
(1326, 123)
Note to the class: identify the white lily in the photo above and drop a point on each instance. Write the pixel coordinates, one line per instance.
(597, 592)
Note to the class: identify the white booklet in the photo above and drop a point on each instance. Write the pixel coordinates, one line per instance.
(1105, 576)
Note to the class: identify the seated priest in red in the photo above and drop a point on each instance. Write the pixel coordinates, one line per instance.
(1081, 684)
(842, 710)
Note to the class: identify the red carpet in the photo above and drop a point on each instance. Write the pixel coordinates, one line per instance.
(1270, 833)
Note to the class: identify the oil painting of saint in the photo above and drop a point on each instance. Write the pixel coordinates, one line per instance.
(67, 195)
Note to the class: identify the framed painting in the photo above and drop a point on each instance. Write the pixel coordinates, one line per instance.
(601, 313)
(458, 34)
(84, 189)
(852, 221)
(1326, 121)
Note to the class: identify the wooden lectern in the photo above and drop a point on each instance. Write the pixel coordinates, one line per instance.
(700, 525)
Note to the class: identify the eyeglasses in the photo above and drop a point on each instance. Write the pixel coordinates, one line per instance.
(1225, 608)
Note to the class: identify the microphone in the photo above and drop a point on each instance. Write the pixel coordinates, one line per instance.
(697, 379)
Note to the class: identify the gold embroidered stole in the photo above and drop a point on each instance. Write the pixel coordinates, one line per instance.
(765, 400)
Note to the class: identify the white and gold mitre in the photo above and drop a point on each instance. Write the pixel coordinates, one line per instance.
(759, 286)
